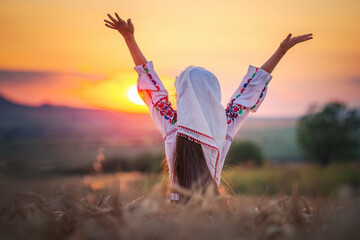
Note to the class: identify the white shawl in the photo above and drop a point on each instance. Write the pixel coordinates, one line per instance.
(201, 116)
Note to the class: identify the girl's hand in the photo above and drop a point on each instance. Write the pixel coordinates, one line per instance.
(290, 42)
(125, 28)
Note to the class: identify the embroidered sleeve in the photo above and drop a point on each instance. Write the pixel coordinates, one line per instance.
(247, 98)
(155, 96)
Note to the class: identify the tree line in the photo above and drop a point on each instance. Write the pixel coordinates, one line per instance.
(325, 135)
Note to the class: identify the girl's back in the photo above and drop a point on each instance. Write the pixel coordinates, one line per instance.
(199, 133)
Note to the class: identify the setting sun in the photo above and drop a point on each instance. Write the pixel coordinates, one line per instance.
(134, 96)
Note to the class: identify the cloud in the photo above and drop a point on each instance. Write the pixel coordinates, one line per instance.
(11, 77)
(355, 80)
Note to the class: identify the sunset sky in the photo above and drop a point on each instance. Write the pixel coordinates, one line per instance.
(61, 53)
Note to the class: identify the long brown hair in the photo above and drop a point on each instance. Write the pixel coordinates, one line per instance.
(190, 168)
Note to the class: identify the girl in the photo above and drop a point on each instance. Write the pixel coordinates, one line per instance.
(198, 134)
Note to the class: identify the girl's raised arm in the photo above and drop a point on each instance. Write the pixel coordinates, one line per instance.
(150, 88)
(285, 45)
(253, 88)
(126, 29)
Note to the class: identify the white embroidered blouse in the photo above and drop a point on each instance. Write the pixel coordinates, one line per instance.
(247, 98)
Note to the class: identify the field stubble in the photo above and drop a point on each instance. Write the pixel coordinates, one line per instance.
(103, 207)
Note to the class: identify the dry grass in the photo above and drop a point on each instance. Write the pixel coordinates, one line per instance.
(71, 215)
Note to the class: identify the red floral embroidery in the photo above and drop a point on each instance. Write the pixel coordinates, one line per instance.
(165, 109)
(163, 105)
(233, 111)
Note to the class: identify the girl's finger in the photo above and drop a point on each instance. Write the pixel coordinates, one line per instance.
(111, 23)
(304, 36)
(303, 40)
(117, 16)
(113, 19)
(288, 36)
(307, 34)
(130, 22)
(109, 26)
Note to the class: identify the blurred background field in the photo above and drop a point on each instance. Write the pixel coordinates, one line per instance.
(313, 181)
(49, 142)
(53, 139)
(333, 182)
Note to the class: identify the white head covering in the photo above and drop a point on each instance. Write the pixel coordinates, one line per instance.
(201, 116)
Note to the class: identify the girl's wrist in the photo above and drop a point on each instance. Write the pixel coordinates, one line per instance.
(129, 37)
(281, 50)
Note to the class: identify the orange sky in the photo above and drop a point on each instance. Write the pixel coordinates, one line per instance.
(60, 52)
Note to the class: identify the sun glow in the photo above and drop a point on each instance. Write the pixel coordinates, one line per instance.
(134, 96)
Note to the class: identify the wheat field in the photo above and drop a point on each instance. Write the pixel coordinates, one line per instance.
(116, 207)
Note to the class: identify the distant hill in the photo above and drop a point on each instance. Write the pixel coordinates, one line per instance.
(20, 121)
(57, 137)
